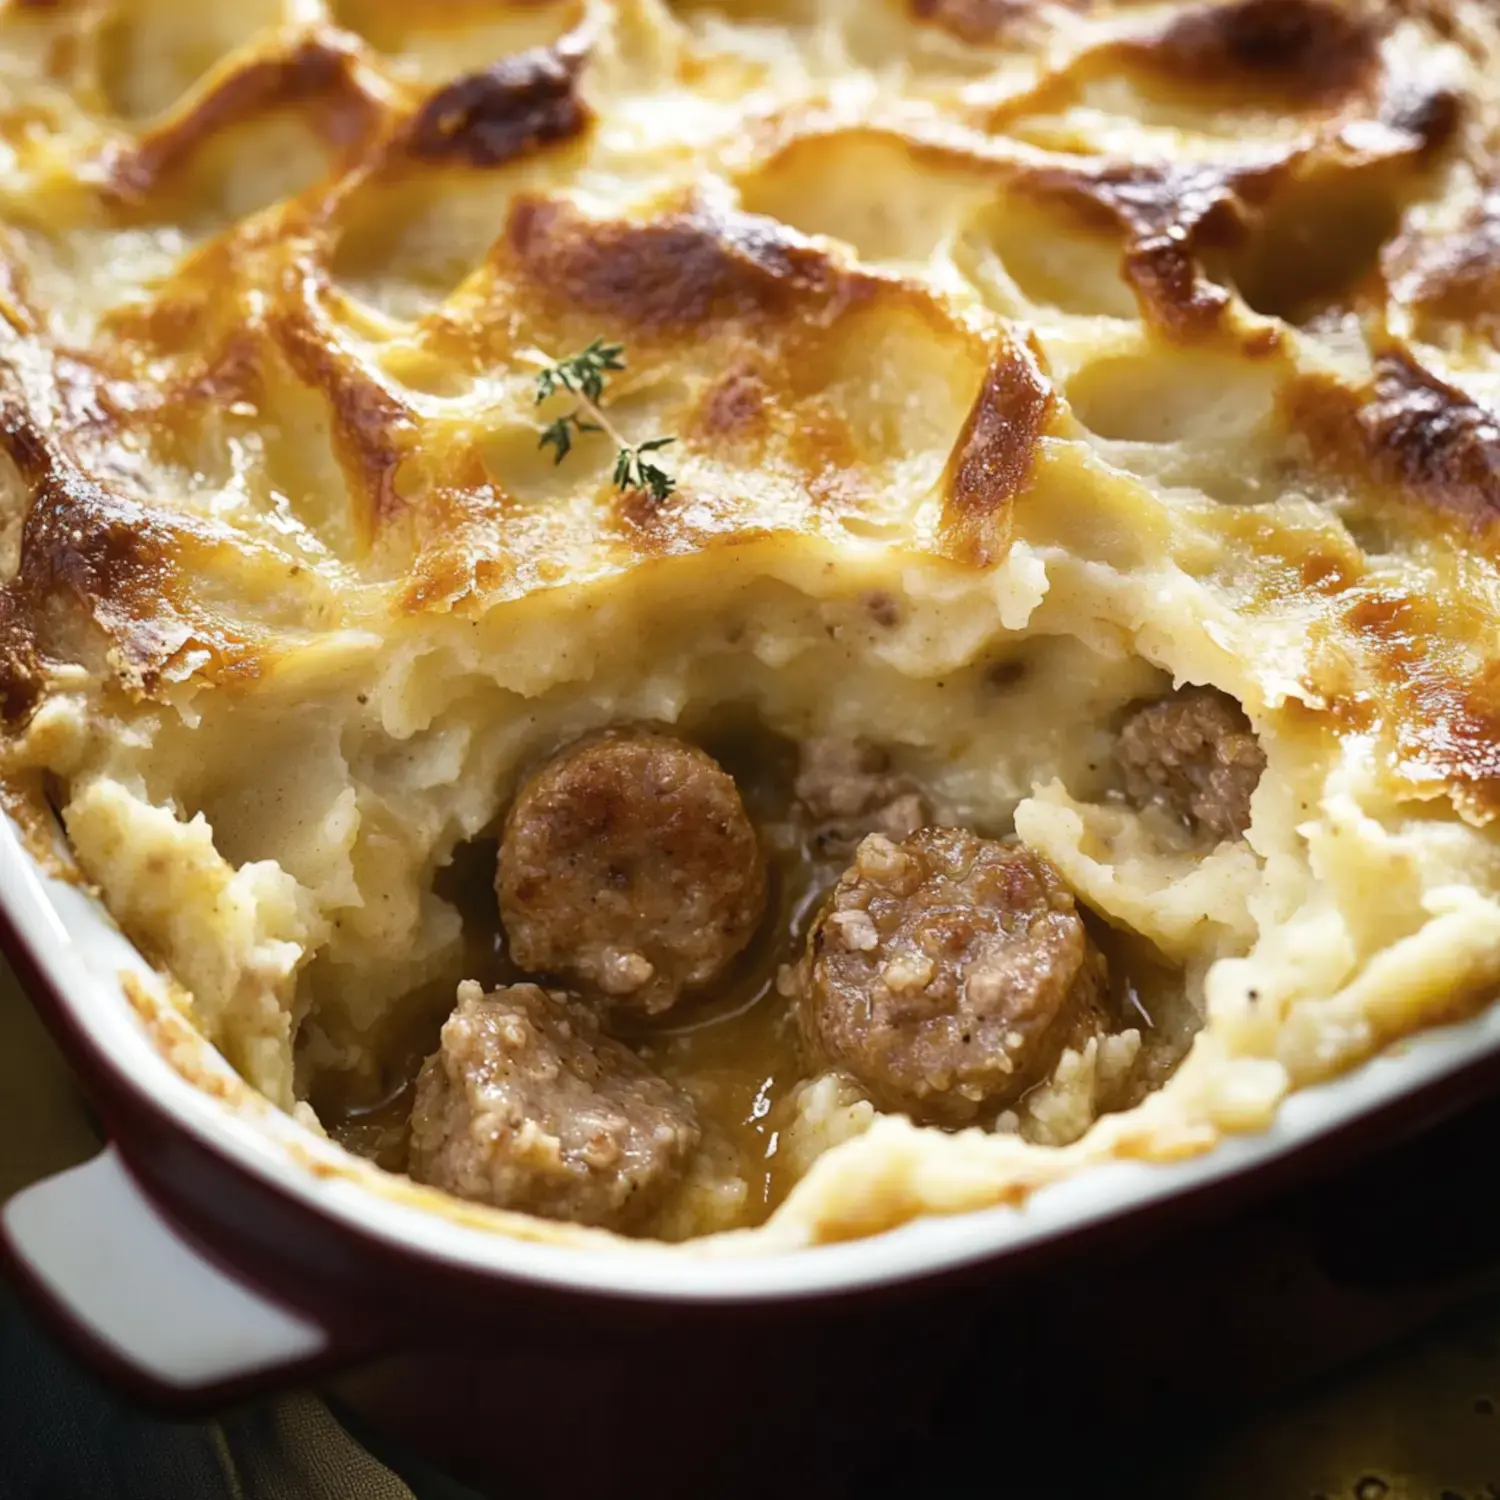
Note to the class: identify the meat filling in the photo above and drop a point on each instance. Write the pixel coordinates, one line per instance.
(628, 866)
(847, 789)
(1195, 755)
(946, 974)
(526, 1106)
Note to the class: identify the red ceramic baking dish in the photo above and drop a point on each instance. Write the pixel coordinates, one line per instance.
(217, 1247)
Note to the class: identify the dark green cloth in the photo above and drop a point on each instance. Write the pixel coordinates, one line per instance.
(65, 1436)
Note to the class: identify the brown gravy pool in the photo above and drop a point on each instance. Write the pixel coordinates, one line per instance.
(735, 1051)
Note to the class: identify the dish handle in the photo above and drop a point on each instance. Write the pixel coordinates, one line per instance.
(138, 1300)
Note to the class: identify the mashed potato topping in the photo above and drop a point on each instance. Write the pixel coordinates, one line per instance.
(1024, 364)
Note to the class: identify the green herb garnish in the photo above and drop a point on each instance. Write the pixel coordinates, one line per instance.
(585, 376)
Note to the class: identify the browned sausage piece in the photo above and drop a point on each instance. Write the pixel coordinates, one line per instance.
(629, 866)
(847, 789)
(946, 973)
(1195, 754)
(526, 1106)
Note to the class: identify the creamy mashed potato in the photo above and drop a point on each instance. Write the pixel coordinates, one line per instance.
(1023, 362)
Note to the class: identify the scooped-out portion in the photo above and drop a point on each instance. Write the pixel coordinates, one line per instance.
(709, 962)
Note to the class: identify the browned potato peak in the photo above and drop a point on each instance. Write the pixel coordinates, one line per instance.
(526, 1106)
(1195, 754)
(629, 865)
(947, 973)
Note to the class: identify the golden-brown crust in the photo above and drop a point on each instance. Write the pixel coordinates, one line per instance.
(734, 408)
(697, 268)
(1419, 448)
(1299, 53)
(1454, 275)
(94, 559)
(1441, 720)
(1432, 443)
(1349, 111)
(492, 116)
(1189, 231)
(97, 564)
(319, 71)
(747, 332)
(1163, 211)
(371, 427)
(977, 21)
(994, 455)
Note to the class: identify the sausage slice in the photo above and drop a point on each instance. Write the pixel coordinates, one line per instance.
(526, 1106)
(1194, 754)
(847, 789)
(628, 866)
(946, 973)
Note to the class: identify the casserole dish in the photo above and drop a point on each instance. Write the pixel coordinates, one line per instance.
(1010, 742)
(214, 1249)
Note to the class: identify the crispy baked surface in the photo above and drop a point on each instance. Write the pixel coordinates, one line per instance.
(1022, 359)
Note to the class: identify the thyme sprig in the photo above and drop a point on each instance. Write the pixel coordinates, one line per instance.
(583, 373)
(632, 472)
(585, 376)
